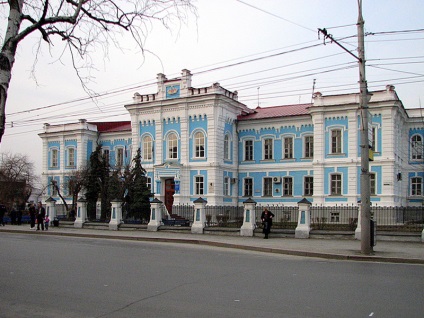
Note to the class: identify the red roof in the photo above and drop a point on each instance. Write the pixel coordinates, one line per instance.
(277, 111)
(113, 126)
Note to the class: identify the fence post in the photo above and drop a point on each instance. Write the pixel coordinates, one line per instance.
(358, 227)
(304, 220)
(155, 215)
(81, 213)
(249, 218)
(199, 219)
(51, 209)
(115, 215)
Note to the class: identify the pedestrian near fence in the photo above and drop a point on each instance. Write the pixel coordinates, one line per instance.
(41, 214)
(266, 218)
(32, 213)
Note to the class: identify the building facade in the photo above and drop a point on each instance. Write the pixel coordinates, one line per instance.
(202, 142)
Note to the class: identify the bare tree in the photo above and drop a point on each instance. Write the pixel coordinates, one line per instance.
(17, 179)
(83, 26)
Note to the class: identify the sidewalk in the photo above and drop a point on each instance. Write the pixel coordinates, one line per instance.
(384, 251)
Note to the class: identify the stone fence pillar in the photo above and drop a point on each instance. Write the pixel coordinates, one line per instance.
(81, 213)
(155, 215)
(199, 216)
(51, 209)
(304, 220)
(249, 218)
(358, 226)
(115, 215)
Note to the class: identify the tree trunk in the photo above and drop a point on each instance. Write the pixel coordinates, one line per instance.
(7, 57)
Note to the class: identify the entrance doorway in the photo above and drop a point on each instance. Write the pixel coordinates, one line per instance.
(169, 194)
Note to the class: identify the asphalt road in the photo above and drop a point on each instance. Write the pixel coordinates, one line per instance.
(45, 276)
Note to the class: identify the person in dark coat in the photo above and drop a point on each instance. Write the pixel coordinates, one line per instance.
(31, 209)
(2, 212)
(41, 214)
(266, 218)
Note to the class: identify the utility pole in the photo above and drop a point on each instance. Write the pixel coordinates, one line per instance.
(366, 247)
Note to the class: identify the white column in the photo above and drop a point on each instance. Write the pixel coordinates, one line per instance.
(358, 227)
(115, 215)
(81, 213)
(51, 209)
(304, 220)
(155, 215)
(249, 218)
(199, 216)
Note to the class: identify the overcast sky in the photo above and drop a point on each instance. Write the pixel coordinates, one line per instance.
(262, 49)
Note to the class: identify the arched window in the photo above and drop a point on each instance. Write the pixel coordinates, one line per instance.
(147, 148)
(172, 146)
(227, 147)
(199, 145)
(416, 147)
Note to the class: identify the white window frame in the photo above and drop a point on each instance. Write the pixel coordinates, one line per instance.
(336, 184)
(268, 148)
(199, 144)
(338, 149)
(147, 142)
(248, 150)
(417, 148)
(199, 185)
(227, 144)
(54, 163)
(119, 156)
(373, 183)
(288, 147)
(308, 186)
(416, 186)
(267, 187)
(172, 145)
(71, 157)
(106, 154)
(248, 187)
(227, 186)
(308, 149)
(288, 186)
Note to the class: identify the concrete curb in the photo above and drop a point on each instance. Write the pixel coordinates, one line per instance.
(346, 257)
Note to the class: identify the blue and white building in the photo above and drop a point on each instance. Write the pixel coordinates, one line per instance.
(203, 142)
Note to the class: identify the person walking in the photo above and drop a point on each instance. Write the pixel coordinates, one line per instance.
(266, 218)
(31, 209)
(41, 214)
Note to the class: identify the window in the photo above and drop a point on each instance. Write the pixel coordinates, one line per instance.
(373, 190)
(373, 136)
(288, 148)
(106, 155)
(55, 158)
(199, 185)
(288, 186)
(267, 187)
(309, 147)
(120, 157)
(248, 187)
(227, 147)
(71, 157)
(308, 186)
(147, 148)
(149, 183)
(336, 141)
(172, 146)
(226, 186)
(417, 147)
(199, 144)
(248, 150)
(54, 187)
(336, 184)
(268, 149)
(335, 217)
(416, 186)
